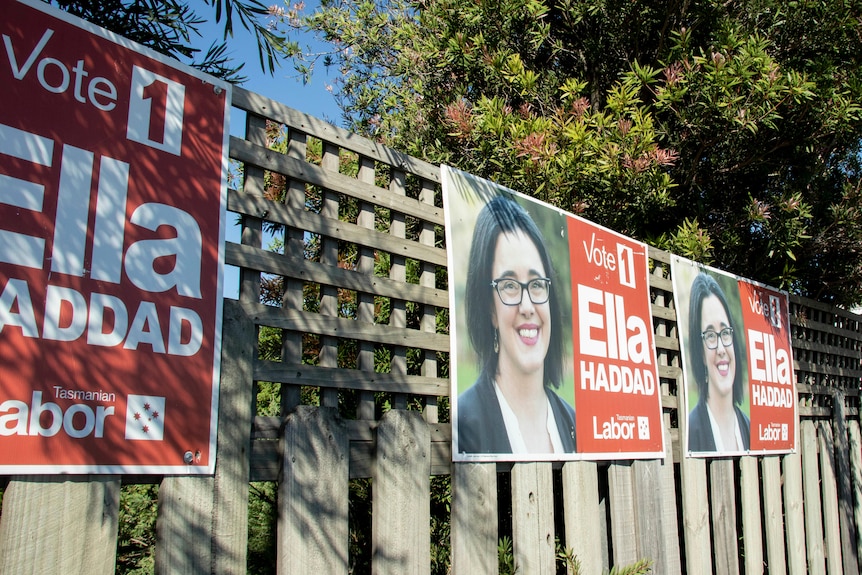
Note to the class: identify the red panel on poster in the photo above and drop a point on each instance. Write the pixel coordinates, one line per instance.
(770, 368)
(616, 385)
(112, 215)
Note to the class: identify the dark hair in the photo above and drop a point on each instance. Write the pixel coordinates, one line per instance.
(504, 215)
(703, 286)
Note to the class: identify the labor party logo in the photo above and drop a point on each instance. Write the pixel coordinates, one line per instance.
(145, 418)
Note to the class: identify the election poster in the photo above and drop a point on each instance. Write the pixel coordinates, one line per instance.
(553, 353)
(739, 389)
(113, 167)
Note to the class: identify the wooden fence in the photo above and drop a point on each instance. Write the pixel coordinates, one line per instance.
(359, 284)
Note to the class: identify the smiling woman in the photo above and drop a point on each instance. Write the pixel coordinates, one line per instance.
(716, 423)
(511, 304)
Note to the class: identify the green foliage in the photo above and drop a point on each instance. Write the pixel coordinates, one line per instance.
(690, 240)
(137, 529)
(506, 557)
(262, 520)
(730, 131)
(640, 567)
(441, 501)
(567, 558)
(567, 561)
(359, 510)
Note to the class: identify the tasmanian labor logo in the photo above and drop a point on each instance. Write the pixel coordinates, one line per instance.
(145, 417)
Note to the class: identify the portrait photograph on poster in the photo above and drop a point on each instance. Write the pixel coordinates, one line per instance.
(739, 387)
(553, 353)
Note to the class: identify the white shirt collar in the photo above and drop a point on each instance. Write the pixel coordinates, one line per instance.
(716, 432)
(513, 430)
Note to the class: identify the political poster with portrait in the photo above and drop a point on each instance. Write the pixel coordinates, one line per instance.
(739, 389)
(553, 353)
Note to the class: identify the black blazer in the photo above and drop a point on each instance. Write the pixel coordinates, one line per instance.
(700, 431)
(480, 421)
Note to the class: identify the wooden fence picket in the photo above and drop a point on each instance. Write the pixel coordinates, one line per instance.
(474, 518)
(773, 514)
(401, 515)
(794, 514)
(843, 478)
(829, 495)
(313, 494)
(723, 514)
(695, 511)
(622, 513)
(855, 450)
(583, 515)
(751, 514)
(533, 518)
(813, 506)
(57, 524)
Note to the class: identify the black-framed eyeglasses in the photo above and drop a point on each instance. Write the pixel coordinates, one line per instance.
(511, 291)
(711, 337)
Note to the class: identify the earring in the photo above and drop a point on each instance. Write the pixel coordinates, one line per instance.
(496, 342)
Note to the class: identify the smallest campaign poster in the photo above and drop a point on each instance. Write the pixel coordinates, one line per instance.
(739, 389)
(553, 353)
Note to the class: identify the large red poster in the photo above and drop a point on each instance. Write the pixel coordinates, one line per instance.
(112, 215)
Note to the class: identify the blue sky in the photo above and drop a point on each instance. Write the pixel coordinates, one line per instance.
(284, 86)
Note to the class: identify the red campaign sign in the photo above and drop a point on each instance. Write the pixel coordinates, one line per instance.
(614, 361)
(770, 368)
(112, 216)
(553, 354)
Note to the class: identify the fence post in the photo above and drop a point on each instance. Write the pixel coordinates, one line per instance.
(184, 526)
(203, 521)
(845, 489)
(533, 517)
(60, 524)
(313, 532)
(401, 517)
(474, 518)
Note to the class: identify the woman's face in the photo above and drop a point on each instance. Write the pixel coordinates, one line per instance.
(524, 329)
(721, 361)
